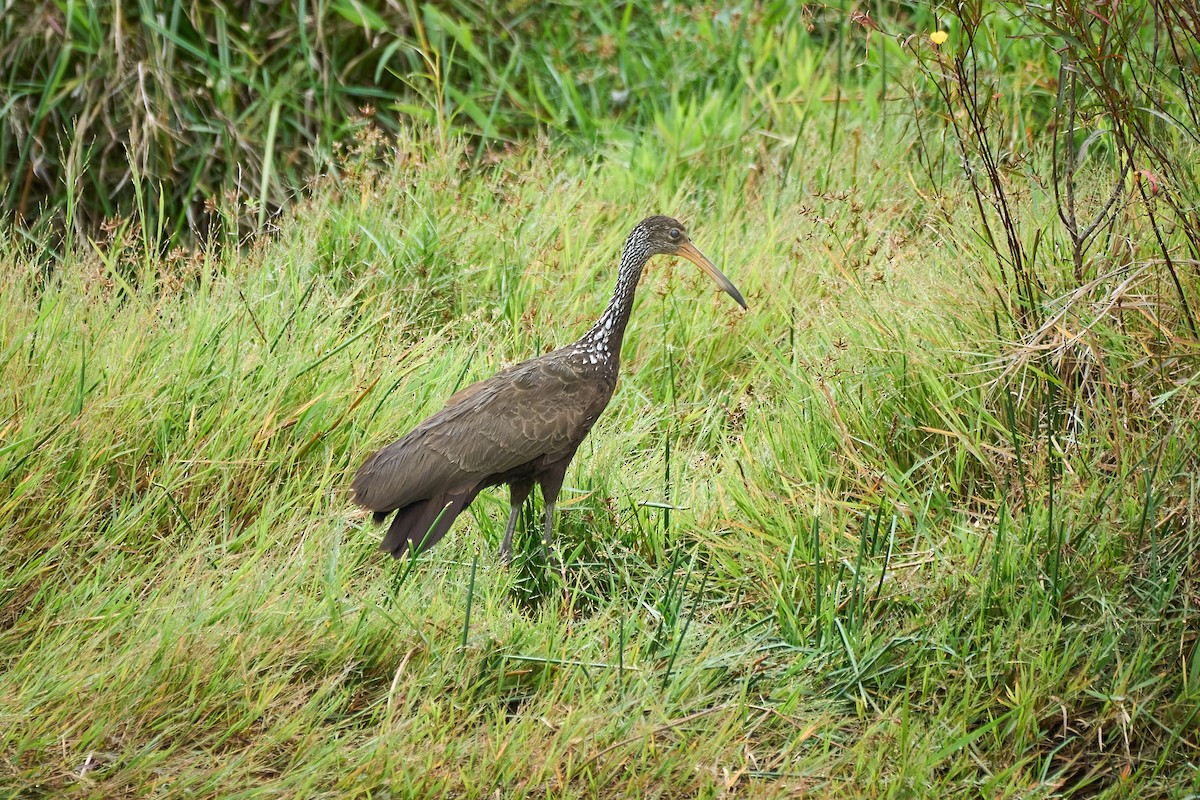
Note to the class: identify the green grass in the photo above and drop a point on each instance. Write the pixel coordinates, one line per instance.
(161, 110)
(861, 587)
(870, 538)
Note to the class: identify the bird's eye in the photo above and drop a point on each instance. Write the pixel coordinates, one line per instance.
(674, 234)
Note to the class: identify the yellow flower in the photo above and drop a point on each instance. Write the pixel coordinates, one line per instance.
(939, 37)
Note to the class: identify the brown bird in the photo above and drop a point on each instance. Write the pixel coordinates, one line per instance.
(521, 426)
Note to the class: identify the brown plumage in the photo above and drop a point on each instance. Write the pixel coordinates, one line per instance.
(521, 426)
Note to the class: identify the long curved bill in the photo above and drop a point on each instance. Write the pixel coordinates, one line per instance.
(693, 255)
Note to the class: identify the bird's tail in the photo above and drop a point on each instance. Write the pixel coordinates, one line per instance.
(421, 525)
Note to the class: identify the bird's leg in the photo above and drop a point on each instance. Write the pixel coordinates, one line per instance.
(548, 535)
(506, 544)
(552, 481)
(518, 492)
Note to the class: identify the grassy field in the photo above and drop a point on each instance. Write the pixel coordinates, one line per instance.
(870, 538)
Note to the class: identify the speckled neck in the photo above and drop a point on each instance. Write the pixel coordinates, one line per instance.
(602, 344)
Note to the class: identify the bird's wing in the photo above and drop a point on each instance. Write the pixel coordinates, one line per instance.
(541, 409)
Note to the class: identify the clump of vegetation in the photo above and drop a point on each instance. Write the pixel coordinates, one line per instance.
(923, 521)
(184, 111)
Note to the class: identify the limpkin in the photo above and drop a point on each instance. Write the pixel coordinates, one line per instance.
(521, 426)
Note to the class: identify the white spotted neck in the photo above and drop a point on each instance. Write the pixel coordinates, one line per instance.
(601, 345)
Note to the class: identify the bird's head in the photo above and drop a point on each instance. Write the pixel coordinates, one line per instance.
(667, 236)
